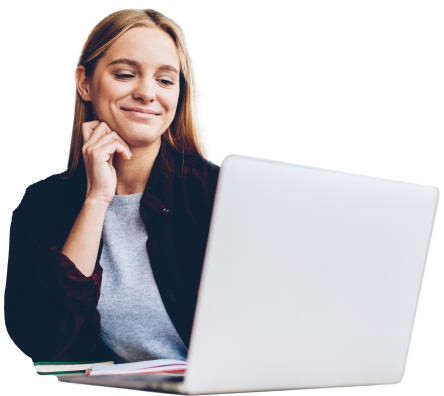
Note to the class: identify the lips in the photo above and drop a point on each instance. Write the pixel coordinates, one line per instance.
(143, 111)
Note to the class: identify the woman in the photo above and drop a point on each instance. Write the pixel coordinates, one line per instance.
(105, 259)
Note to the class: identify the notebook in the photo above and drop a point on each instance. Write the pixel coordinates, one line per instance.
(67, 368)
(311, 279)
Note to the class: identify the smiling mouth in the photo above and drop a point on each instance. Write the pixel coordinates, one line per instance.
(142, 111)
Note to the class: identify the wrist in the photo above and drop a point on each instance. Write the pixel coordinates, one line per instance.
(96, 203)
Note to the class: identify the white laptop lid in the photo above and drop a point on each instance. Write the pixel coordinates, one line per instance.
(311, 279)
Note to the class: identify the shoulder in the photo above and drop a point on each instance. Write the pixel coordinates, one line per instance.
(196, 180)
(53, 186)
(196, 165)
(38, 192)
(51, 195)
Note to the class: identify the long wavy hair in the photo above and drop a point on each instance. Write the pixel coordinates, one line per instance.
(183, 135)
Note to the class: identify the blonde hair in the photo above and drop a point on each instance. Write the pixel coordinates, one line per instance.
(183, 134)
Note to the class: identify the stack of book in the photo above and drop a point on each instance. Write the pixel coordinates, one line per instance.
(67, 368)
(157, 366)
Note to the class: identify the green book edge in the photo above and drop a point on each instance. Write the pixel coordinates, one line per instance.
(28, 367)
(55, 373)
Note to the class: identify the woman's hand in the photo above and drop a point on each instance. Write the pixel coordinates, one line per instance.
(99, 145)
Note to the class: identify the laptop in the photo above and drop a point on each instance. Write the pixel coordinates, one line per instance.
(311, 279)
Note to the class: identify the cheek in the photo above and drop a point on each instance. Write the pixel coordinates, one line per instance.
(107, 91)
(170, 101)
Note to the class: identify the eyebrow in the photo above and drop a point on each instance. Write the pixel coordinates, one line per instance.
(133, 62)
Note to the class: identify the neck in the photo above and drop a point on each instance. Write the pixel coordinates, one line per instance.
(133, 175)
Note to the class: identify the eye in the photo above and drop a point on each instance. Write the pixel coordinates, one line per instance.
(123, 76)
(127, 76)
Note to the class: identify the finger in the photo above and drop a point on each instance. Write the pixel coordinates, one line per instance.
(88, 128)
(113, 147)
(95, 135)
(121, 141)
(111, 137)
(100, 130)
(97, 132)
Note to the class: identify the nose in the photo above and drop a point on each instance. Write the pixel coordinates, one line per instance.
(145, 90)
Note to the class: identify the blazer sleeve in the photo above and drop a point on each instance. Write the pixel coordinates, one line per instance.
(50, 306)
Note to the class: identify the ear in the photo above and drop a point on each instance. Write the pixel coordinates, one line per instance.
(83, 84)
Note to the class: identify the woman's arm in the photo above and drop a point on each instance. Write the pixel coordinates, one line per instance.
(82, 244)
(50, 306)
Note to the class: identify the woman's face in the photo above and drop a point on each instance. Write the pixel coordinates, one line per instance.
(137, 76)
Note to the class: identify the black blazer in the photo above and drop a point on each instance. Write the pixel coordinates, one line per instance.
(50, 306)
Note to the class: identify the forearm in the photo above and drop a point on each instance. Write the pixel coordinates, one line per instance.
(82, 244)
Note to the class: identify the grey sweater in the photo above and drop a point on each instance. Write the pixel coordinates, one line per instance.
(134, 323)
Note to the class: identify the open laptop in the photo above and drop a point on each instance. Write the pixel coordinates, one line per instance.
(311, 279)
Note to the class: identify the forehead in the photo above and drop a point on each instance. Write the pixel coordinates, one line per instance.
(148, 46)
